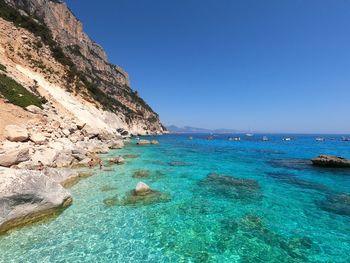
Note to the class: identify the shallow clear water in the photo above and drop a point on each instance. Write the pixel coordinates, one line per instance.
(289, 213)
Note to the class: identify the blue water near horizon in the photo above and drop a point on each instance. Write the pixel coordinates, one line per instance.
(277, 208)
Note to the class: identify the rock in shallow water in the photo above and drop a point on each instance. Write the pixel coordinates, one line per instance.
(26, 197)
(141, 174)
(331, 161)
(232, 187)
(337, 204)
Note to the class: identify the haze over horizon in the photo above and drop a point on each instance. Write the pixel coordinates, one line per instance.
(268, 66)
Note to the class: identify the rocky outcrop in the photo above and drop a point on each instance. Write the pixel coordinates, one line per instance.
(26, 197)
(331, 161)
(106, 83)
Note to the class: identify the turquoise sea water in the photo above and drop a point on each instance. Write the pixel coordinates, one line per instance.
(275, 208)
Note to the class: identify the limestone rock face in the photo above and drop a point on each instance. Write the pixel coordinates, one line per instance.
(331, 161)
(26, 197)
(13, 156)
(16, 133)
(90, 58)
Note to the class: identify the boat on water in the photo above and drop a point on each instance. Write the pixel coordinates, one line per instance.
(287, 139)
(265, 138)
(234, 138)
(210, 137)
(249, 134)
(345, 139)
(190, 137)
(320, 139)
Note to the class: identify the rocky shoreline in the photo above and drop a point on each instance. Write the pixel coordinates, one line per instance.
(40, 159)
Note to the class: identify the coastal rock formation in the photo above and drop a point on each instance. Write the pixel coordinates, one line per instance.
(141, 188)
(143, 142)
(116, 160)
(26, 197)
(337, 204)
(68, 59)
(331, 161)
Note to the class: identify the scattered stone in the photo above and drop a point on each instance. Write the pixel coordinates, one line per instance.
(26, 197)
(331, 161)
(66, 132)
(38, 138)
(111, 201)
(34, 109)
(16, 133)
(108, 188)
(13, 156)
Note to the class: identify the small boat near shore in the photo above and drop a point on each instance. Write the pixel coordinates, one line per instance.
(234, 138)
(320, 139)
(287, 139)
(345, 139)
(265, 138)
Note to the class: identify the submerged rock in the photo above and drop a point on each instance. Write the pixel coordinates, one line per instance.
(63, 176)
(141, 174)
(331, 161)
(116, 160)
(108, 188)
(131, 156)
(144, 195)
(26, 197)
(154, 142)
(178, 163)
(293, 180)
(111, 201)
(143, 142)
(337, 204)
(232, 187)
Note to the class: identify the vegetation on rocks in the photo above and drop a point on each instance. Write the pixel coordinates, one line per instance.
(17, 94)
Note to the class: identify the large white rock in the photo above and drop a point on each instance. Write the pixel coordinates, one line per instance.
(27, 196)
(16, 133)
(141, 187)
(13, 156)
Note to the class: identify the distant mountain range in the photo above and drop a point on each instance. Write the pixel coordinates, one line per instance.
(189, 129)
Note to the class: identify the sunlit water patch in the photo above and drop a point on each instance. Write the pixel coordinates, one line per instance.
(213, 201)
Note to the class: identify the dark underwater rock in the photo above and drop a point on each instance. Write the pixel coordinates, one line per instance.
(337, 204)
(178, 163)
(293, 180)
(295, 164)
(144, 198)
(232, 187)
(108, 188)
(141, 174)
(111, 201)
(331, 161)
(131, 156)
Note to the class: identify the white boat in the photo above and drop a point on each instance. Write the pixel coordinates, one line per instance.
(320, 139)
(264, 138)
(234, 138)
(345, 139)
(249, 134)
(287, 139)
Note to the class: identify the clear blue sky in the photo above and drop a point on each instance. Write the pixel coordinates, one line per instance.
(272, 65)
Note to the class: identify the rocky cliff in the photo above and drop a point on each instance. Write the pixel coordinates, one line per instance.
(59, 53)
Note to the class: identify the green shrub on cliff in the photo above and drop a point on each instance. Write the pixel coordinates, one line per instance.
(16, 94)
